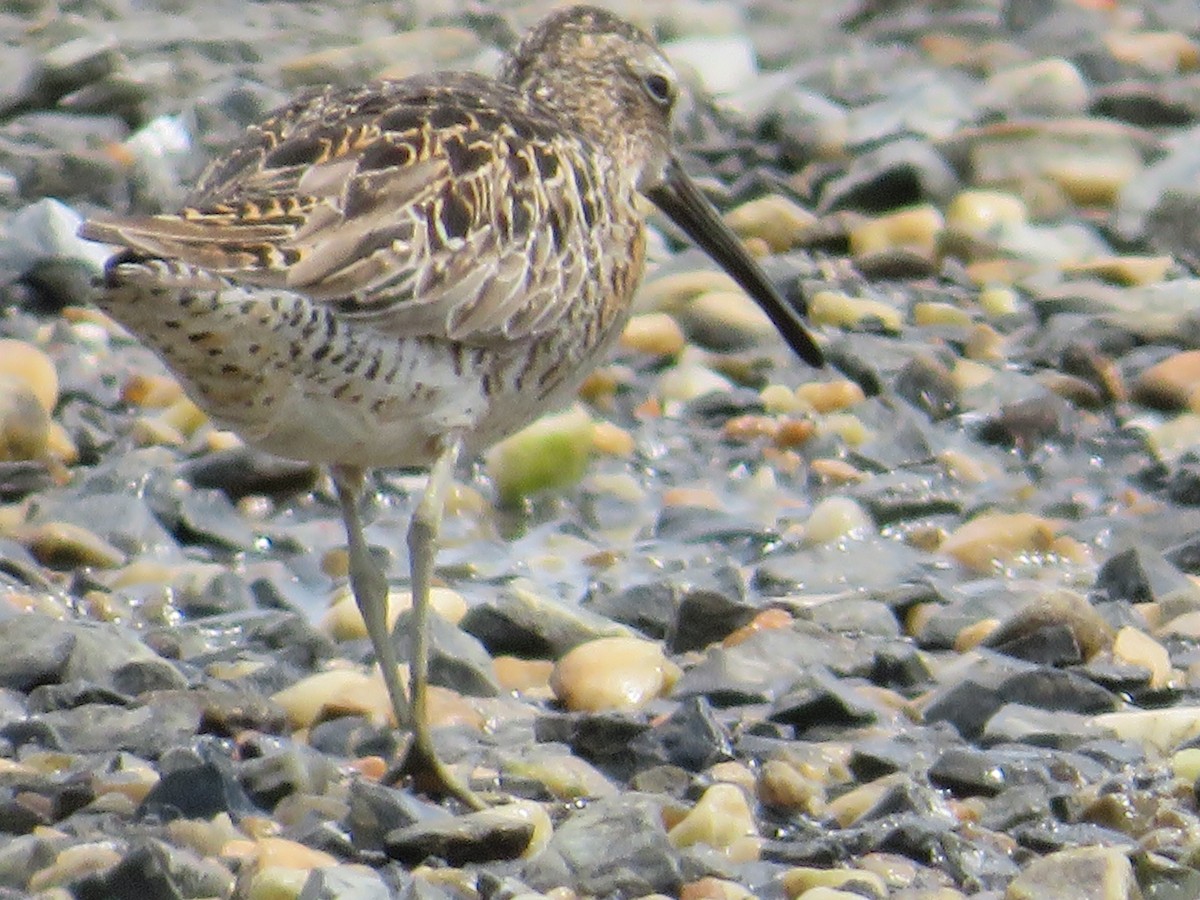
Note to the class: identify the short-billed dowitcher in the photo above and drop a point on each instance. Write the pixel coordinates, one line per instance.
(399, 274)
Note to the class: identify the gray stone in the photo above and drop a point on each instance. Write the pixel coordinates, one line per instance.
(612, 846)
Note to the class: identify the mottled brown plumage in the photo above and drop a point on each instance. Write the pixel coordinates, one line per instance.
(397, 273)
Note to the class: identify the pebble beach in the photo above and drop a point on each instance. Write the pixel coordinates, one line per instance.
(922, 625)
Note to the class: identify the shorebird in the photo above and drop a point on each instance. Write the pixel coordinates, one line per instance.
(401, 273)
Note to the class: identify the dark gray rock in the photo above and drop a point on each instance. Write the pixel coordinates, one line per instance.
(377, 810)
(528, 625)
(19, 816)
(856, 617)
(907, 495)
(21, 856)
(1042, 728)
(651, 608)
(144, 675)
(1055, 689)
(763, 666)
(1047, 644)
(691, 738)
(970, 700)
(37, 649)
(478, 837)
(817, 700)
(269, 778)
(926, 383)
(612, 846)
(457, 659)
(876, 757)
(146, 871)
(145, 731)
(603, 738)
(344, 883)
(1143, 575)
(705, 616)
(198, 791)
(967, 773)
(243, 471)
(898, 173)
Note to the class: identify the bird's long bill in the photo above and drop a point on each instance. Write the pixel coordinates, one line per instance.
(680, 199)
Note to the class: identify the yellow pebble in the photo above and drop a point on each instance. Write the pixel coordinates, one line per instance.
(846, 426)
(66, 545)
(1095, 182)
(993, 539)
(985, 344)
(842, 310)
(1165, 52)
(830, 396)
(611, 439)
(552, 453)
(1186, 764)
(998, 301)
(185, 416)
(341, 689)
(778, 398)
(1138, 648)
(156, 431)
(616, 673)
(836, 518)
(719, 819)
(837, 471)
(343, 621)
(981, 213)
(1126, 271)
(915, 228)
(803, 881)
(24, 421)
(151, 391)
(974, 634)
(968, 374)
(655, 334)
(29, 364)
(275, 851)
(60, 445)
(779, 222)
(671, 292)
(930, 313)
(276, 883)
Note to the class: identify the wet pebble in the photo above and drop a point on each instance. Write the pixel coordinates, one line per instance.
(725, 321)
(778, 221)
(24, 423)
(1047, 87)
(614, 845)
(242, 472)
(1080, 872)
(655, 334)
(612, 674)
(506, 832)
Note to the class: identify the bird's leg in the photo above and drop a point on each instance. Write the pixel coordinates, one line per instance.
(370, 588)
(422, 548)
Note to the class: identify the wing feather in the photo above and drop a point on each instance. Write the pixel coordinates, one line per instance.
(416, 205)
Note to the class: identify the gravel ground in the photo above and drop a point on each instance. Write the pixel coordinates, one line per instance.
(923, 625)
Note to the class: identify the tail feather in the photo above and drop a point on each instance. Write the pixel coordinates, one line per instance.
(129, 270)
(250, 250)
(143, 232)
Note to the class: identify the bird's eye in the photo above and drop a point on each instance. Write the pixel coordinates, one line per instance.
(659, 88)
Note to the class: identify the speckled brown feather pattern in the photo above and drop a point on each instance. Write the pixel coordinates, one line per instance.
(440, 205)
